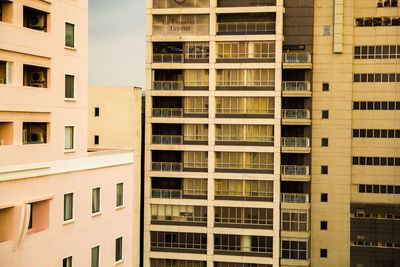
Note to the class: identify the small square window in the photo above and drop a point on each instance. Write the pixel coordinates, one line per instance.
(69, 35)
(325, 114)
(327, 30)
(96, 111)
(324, 225)
(324, 253)
(325, 87)
(324, 197)
(324, 169)
(356, 105)
(67, 262)
(324, 141)
(356, 133)
(96, 140)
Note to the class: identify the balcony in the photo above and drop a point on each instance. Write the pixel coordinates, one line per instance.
(295, 173)
(296, 88)
(189, 215)
(294, 198)
(167, 193)
(297, 60)
(244, 162)
(296, 117)
(179, 188)
(167, 139)
(178, 161)
(245, 52)
(259, 23)
(167, 58)
(243, 245)
(167, 85)
(167, 112)
(167, 166)
(241, 3)
(296, 145)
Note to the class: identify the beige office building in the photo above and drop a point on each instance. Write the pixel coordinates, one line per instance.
(259, 121)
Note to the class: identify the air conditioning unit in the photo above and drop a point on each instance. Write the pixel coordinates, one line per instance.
(39, 84)
(36, 21)
(37, 76)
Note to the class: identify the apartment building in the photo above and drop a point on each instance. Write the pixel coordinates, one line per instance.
(59, 204)
(115, 121)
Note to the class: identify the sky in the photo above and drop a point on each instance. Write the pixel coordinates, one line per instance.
(117, 42)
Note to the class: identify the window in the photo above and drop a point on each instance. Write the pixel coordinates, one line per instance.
(120, 195)
(324, 141)
(35, 19)
(96, 139)
(118, 249)
(325, 87)
(325, 114)
(95, 256)
(293, 249)
(241, 216)
(96, 111)
(34, 133)
(69, 35)
(294, 221)
(324, 253)
(197, 50)
(249, 189)
(243, 243)
(35, 76)
(69, 86)
(95, 200)
(324, 197)
(67, 262)
(30, 216)
(327, 30)
(184, 263)
(324, 169)
(5, 71)
(178, 213)
(69, 138)
(68, 206)
(178, 240)
(324, 225)
(39, 216)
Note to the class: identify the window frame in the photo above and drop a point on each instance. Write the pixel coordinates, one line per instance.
(98, 256)
(73, 149)
(67, 257)
(73, 87)
(96, 212)
(122, 196)
(74, 36)
(121, 259)
(72, 219)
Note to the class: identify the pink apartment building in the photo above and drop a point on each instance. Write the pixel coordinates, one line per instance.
(59, 204)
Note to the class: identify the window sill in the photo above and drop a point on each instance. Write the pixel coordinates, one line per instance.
(69, 150)
(120, 207)
(69, 99)
(119, 262)
(68, 221)
(70, 48)
(96, 214)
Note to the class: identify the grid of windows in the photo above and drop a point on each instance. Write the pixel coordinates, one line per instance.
(376, 77)
(376, 105)
(294, 221)
(176, 263)
(245, 105)
(376, 51)
(180, 241)
(294, 249)
(240, 216)
(386, 3)
(244, 160)
(197, 50)
(178, 213)
(244, 188)
(376, 161)
(379, 189)
(378, 21)
(239, 243)
(245, 50)
(376, 133)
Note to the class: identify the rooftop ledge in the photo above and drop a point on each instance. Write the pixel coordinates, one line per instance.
(94, 160)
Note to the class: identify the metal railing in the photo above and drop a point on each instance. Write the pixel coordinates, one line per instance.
(296, 57)
(245, 83)
(166, 193)
(196, 110)
(250, 166)
(295, 113)
(167, 85)
(196, 83)
(196, 164)
(295, 142)
(295, 170)
(167, 166)
(296, 86)
(294, 198)
(241, 3)
(253, 27)
(239, 55)
(245, 139)
(167, 58)
(245, 111)
(167, 139)
(167, 112)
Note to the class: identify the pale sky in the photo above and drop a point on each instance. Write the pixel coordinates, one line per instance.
(116, 42)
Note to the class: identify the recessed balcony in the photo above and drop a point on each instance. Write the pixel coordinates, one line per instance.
(177, 161)
(167, 58)
(294, 198)
(190, 52)
(296, 89)
(295, 173)
(244, 162)
(297, 60)
(296, 117)
(167, 112)
(178, 188)
(168, 85)
(296, 145)
(173, 80)
(167, 139)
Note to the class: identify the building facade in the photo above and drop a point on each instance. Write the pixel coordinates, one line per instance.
(115, 121)
(59, 204)
(271, 133)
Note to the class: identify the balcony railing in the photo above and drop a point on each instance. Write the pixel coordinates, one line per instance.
(246, 27)
(296, 114)
(241, 3)
(203, 83)
(167, 166)
(294, 198)
(295, 170)
(167, 112)
(195, 138)
(167, 85)
(167, 58)
(244, 139)
(196, 110)
(254, 83)
(249, 166)
(166, 193)
(245, 111)
(297, 57)
(295, 142)
(196, 164)
(167, 139)
(296, 86)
